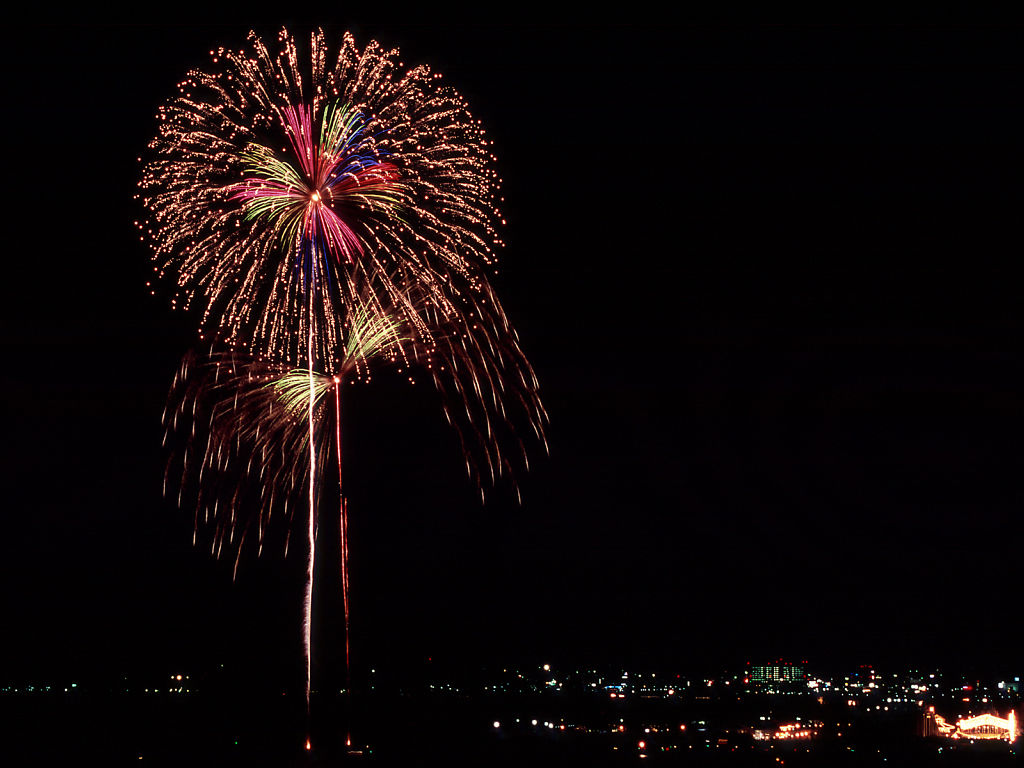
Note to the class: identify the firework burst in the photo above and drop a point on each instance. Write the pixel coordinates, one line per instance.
(324, 213)
(245, 422)
(280, 182)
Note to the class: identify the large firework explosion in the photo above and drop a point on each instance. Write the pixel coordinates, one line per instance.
(323, 213)
(279, 183)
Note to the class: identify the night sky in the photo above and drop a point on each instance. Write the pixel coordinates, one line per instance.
(767, 276)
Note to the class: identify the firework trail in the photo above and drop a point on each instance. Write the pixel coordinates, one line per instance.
(263, 424)
(295, 198)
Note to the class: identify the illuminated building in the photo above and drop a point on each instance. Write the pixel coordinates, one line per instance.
(985, 726)
(863, 680)
(935, 725)
(1012, 686)
(988, 727)
(788, 732)
(778, 674)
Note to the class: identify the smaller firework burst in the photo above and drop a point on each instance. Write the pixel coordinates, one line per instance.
(252, 423)
(258, 427)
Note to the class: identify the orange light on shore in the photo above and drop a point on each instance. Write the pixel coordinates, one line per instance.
(988, 727)
(985, 726)
(308, 745)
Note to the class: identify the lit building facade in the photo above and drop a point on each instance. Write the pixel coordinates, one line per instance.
(985, 726)
(779, 675)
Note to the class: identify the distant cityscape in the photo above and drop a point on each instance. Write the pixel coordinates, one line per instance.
(782, 707)
(778, 702)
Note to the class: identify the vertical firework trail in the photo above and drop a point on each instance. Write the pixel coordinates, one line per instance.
(343, 515)
(311, 533)
(325, 213)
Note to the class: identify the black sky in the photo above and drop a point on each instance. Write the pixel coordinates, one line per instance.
(768, 278)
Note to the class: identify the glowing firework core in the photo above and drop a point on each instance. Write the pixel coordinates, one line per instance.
(343, 163)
